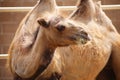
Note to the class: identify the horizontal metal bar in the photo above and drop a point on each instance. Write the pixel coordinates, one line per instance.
(111, 7)
(3, 56)
(15, 9)
(25, 9)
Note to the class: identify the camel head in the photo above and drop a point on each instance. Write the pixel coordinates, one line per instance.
(62, 32)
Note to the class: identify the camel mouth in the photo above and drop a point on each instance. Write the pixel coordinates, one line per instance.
(83, 40)
(84, 37)
(80, 38)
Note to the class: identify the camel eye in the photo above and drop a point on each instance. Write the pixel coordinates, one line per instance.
(60, 28)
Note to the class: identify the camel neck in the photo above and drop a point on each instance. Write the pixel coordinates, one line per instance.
(42, 43)
(44, 52)
(47, 57)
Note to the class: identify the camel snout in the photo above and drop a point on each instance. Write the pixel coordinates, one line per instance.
(83, 37)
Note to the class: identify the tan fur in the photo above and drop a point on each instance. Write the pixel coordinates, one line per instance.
(35, 42)
(26, 27)
(85, 62)
(74, 62)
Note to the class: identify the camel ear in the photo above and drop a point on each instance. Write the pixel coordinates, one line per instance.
(85, 10)
(43, 23)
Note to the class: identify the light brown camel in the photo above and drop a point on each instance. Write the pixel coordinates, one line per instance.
(86, 62)
(74, 62)
(36, 39)
(89, 60)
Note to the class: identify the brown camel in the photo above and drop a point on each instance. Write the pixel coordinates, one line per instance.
(33, 48)
(90, 59)
(73, 62)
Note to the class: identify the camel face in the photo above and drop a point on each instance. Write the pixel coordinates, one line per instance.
(63, 32)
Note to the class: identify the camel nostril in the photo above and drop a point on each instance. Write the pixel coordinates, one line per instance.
(84, 34)
(60, 27)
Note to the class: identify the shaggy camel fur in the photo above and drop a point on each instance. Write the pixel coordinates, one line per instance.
(88, 60)
(73, 62)
(32, 50)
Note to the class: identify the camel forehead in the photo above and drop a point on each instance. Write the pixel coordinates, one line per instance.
(53, 20)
